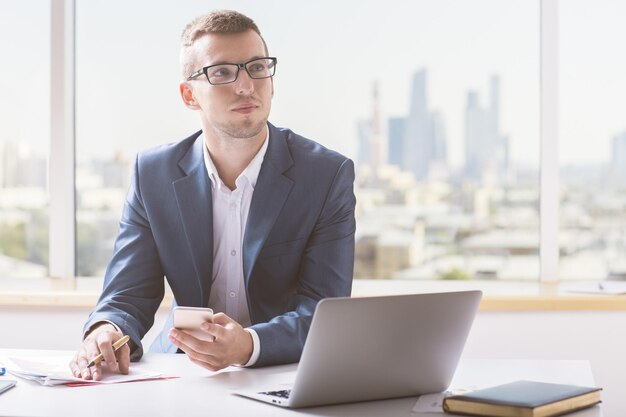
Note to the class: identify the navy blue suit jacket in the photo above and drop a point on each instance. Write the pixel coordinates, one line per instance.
(298, 243)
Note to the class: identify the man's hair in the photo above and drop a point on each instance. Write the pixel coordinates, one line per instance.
(219, 21)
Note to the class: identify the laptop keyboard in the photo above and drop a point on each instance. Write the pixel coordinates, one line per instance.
(282, 393)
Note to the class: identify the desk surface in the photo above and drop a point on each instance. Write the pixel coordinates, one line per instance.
(199, 392)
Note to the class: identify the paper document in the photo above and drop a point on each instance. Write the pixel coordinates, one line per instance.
(603, 287)
(54, 370)
(433, 403)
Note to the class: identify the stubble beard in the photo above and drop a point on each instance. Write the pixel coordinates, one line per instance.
(247, 130)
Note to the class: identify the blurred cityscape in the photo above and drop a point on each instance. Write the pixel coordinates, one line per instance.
(417, 216)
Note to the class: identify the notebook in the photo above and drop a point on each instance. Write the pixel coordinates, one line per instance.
(361, 349)
(523, 399)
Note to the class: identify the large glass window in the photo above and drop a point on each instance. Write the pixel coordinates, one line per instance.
(436, 101)
(24, 137)
(447, 138)
(593, 140)
(126, 100)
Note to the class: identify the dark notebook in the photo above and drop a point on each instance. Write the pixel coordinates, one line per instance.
(523, 399)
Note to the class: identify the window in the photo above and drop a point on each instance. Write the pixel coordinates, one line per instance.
(448, 138)
(458, 102)
(127, 100)
(436, 101)
(24, 138)
(593, 141)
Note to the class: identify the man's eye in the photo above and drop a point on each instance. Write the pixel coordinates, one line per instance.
(257, 68)
(221, 72)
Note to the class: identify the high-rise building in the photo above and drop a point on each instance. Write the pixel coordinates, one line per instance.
(424, 135)
(379, 151)
(364, 138)
(618, 159)
(416, 137)
(395, 152)
(371, 141)
(10, 165)
(19, 167)
(486, 148)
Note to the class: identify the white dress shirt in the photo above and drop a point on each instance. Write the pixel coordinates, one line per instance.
(230, 214)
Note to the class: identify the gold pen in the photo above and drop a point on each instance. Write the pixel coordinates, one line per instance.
(121, 342)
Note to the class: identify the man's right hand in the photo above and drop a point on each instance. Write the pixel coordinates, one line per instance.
(100, 340)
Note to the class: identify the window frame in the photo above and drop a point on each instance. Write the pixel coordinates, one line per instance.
(62, 165)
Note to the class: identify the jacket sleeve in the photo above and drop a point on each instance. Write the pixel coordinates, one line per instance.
(134, 280)
(325, 270)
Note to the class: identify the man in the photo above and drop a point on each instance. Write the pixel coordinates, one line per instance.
(251, 220)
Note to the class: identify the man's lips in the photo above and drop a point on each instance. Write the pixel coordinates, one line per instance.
(245, 108)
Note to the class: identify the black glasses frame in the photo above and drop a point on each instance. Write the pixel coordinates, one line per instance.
(243, 65)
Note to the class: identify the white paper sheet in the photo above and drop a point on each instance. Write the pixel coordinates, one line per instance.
(603, 287)
(54, 370)
(433, 403)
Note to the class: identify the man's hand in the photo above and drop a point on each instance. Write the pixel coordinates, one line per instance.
(232, 345)
(100, 340)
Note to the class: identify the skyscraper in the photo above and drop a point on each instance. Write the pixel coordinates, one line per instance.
(618, 159)
(486, 148)
(371, 141)
(396, 140)
(364, 137)
(424, 136)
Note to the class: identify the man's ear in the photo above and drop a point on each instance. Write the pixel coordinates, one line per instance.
(272, 87)
(186, 94)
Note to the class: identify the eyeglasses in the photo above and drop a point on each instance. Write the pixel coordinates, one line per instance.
(218, 74)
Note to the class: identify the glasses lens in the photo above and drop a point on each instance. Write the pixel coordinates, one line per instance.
(261, 68)
(222, 74)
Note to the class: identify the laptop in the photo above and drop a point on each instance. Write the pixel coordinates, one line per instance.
(361, 349)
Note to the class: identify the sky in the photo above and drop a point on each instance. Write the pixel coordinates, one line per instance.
(329, 54)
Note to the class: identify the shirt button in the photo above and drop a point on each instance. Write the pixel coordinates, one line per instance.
(233, 252)
(232, 294)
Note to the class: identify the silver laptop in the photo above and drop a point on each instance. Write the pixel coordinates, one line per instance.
(361, 349)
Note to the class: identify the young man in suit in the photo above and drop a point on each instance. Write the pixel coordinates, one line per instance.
(251, 220)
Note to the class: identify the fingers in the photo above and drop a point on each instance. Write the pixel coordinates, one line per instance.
(222, 319)
(100, 341)
(218, 331)
(96, 371)
(180, 337)
(78, 364)
(123, 359)
(232, 345)
(196, 351)
(105, 342)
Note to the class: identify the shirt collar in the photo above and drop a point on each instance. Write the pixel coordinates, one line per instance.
(251, 172)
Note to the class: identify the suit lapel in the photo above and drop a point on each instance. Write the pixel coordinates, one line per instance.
(193, 195)
(270, 193)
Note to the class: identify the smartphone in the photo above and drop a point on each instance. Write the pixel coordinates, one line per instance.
(6, 385)
(189, 319)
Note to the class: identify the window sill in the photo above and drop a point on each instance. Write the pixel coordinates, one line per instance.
(497, 295)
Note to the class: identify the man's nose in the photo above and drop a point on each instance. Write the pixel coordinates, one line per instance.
(244, 84)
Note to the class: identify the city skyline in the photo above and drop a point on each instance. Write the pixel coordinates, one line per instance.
(456, 47)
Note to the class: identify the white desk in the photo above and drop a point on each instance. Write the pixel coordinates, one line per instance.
(202, 393)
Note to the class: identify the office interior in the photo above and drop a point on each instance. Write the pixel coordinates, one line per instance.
(489, 142)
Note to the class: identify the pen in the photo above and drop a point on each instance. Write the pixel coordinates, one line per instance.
(121, 342)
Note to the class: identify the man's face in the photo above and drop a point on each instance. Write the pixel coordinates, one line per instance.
(239, 109)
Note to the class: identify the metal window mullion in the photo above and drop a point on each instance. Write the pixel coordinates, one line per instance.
(62, 237)
(549, 178)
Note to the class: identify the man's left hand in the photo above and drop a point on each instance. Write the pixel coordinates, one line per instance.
(232, 345)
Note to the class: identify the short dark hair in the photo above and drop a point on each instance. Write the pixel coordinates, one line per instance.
(218, 21)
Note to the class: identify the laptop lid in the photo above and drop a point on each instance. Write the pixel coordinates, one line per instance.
(361, 349)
